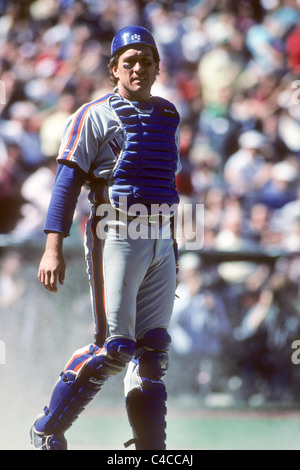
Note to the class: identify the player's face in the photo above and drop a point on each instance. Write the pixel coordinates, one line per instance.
(136, 72)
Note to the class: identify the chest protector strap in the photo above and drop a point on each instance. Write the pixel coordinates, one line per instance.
(145, 170)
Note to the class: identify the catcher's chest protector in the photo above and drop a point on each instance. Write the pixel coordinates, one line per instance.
(146, 167)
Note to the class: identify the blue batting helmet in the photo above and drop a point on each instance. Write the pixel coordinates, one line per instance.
(132, 35)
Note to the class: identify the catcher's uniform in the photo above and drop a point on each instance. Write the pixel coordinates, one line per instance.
(125, 301)
(127, 154)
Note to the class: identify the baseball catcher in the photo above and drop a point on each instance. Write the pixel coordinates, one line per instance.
(125, 148)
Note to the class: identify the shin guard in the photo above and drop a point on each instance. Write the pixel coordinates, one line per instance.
(76, 388)
(146, 394)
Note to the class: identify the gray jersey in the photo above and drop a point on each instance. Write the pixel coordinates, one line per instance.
(93, 138)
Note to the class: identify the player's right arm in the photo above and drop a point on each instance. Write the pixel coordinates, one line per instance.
(52, 266)
(78, 150)
(67, 187)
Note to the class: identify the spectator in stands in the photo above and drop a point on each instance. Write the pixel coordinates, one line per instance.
(246, 170)
(280, 189)
(200, 323)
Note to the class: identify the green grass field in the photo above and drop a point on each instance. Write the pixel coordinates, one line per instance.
(104, 426)
(195, 429)
(190, 424)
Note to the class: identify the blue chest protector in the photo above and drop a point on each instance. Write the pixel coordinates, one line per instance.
(146, 167)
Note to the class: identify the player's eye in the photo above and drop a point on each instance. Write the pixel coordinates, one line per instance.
(129, 64)
(144, 62)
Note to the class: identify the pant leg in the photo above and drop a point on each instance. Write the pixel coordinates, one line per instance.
(156, 295)
(117, 266)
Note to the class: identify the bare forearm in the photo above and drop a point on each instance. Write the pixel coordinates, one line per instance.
(54, 242)
(52, 266)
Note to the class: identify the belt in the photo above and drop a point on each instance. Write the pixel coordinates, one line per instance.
(157, 218)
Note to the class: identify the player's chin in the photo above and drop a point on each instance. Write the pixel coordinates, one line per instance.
(138, 85)
(140, 88)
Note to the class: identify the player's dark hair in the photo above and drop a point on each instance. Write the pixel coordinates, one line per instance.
(115, 59)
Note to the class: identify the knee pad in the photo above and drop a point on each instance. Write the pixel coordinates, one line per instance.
(151, 360)
(152, 354)
(114, 356)
(158, 339)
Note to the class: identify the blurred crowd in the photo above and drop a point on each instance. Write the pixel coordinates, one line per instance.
(232, 68)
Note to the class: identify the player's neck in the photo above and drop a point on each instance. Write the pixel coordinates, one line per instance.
(140, 97)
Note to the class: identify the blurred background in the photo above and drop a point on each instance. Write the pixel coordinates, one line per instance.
(233, 71)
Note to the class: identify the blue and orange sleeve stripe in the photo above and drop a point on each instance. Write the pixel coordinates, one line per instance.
(75, 132)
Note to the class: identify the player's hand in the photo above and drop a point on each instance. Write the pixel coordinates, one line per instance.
(52, 266)
(52, 269)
